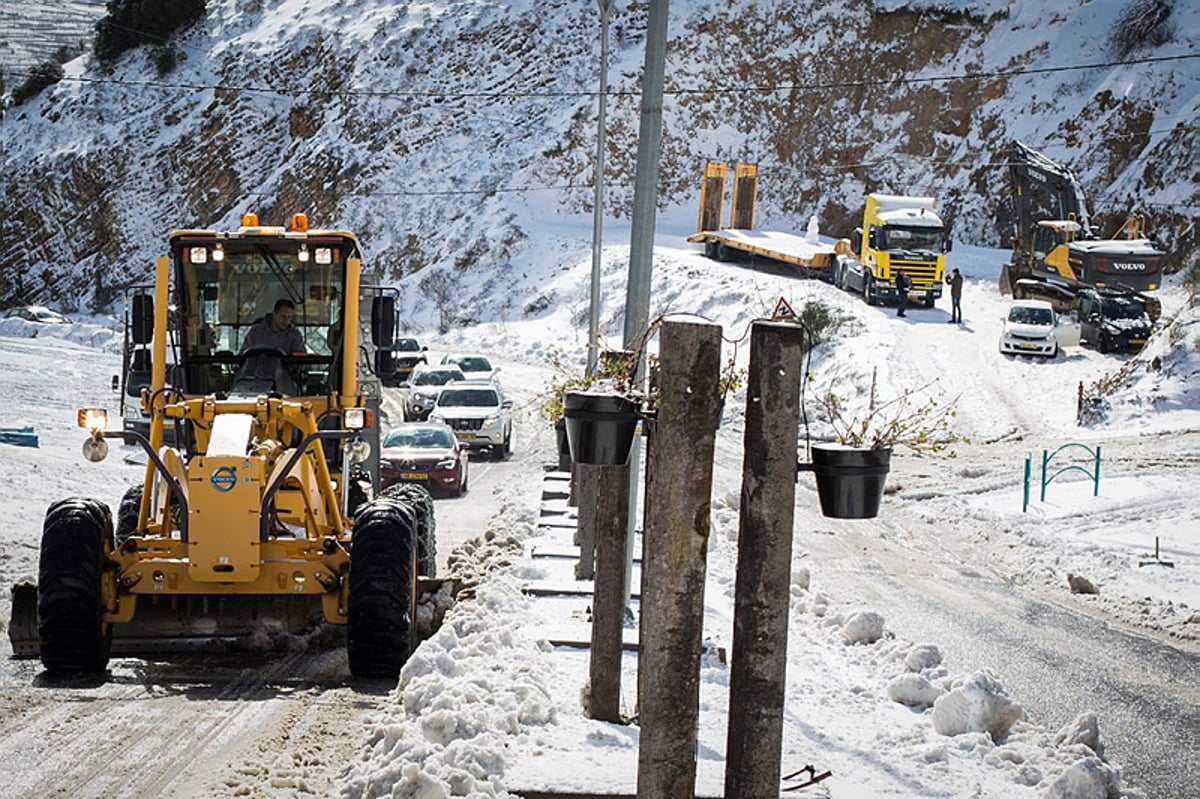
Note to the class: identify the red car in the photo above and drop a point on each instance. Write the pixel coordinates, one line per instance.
(427, 453)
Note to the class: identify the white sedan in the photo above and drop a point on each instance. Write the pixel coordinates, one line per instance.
(1033, 328)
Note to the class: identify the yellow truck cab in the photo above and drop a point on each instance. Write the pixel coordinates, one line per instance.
(898, 232)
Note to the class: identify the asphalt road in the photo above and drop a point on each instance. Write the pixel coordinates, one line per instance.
(1055, 659)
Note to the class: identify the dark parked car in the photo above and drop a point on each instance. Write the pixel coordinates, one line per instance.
(407, 352)
(1113, 320)
(427, 453)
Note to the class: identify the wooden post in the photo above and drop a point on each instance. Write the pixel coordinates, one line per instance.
(585, 531)
(608, 593)
(758, 667)
(679, 470)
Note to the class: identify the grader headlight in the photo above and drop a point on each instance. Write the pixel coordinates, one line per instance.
(355, 418)
(95, 420)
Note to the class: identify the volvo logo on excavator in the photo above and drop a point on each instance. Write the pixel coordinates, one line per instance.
(1127, 266)
(224, 478)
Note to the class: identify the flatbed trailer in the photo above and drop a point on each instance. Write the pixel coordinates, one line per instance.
(727, 243)
(788, 248)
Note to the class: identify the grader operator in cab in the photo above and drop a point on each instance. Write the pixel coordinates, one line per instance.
(253, 521)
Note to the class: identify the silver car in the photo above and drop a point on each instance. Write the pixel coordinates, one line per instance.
(424, 385)
(478, 414)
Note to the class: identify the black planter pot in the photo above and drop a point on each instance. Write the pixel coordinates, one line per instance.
(600, 428)
(850, 481)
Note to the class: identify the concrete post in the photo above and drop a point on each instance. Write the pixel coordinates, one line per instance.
(609, 593)
(674, 554)
(758, 667)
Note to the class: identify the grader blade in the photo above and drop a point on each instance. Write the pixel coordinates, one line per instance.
(190, 623)
(23, 625)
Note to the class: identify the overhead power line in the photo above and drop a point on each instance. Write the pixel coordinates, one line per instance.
(761, 89)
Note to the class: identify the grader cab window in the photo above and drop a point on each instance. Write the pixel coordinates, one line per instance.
(220, 301)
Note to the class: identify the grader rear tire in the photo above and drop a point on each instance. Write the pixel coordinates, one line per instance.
(127, 514)
(421, 502)
(72, 633)
(382, 589)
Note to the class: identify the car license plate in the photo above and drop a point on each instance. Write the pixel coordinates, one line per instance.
(1137, 341)
(463, 436)
(1027, 346)
(414, 476)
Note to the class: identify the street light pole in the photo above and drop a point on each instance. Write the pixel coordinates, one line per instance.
(593, 349)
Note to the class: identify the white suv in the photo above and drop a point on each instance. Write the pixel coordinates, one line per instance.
(478, 414)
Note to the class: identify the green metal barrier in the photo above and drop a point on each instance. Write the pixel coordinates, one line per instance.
(1047, 457)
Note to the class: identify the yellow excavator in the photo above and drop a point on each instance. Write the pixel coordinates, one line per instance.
(1054, 248)
(256, 514)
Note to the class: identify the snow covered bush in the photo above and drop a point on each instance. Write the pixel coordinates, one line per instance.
(1144, 24)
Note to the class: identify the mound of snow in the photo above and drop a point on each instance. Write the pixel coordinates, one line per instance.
(976, 703)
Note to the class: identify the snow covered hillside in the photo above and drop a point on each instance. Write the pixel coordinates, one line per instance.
(442, 132)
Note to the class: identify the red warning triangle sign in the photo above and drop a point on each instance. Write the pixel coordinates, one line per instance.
(783, 312)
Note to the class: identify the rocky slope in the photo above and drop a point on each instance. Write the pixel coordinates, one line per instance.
(434, 129)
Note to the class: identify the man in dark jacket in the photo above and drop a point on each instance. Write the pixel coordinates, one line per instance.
(276, 330)
(903, 284)
(955, 280)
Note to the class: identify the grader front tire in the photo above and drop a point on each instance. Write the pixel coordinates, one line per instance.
(382, 589)
(76, 537)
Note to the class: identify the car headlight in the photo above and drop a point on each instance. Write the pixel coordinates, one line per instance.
(446, 464)
(423, 398)
(436, 417)
(491, 419)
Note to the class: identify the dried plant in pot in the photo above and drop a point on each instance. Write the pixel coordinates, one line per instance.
(852, 470)
(600, 412)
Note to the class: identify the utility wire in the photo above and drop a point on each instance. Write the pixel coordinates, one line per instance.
(507, 95)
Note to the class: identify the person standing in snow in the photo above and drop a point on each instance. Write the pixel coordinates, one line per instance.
(276, 330)
(903, 284)
(955, 280)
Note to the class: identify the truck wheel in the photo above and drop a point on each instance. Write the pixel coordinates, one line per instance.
(869, 291)
(382, 589)
(127, 514)
(420, 501)
(710, 249)
(76, 537)
(722, 252)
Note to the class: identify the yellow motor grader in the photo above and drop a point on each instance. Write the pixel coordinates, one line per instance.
(260, 515)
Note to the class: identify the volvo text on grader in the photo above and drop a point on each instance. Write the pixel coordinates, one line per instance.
(253, 519)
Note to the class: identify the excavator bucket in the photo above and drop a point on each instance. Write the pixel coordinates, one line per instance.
(1006, 286)
(23, 625)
